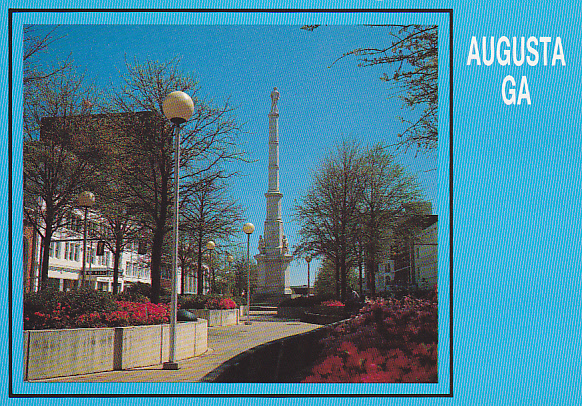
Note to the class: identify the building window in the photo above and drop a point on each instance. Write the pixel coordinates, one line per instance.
(108, 256)
(77, 252)
(57, 250)
(52, 249)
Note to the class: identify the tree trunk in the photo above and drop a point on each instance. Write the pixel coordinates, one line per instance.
(337, 278)
(157, 245)
(200, 276)
(360, 269)
(46, 243)
(343, 272)
(183, 277)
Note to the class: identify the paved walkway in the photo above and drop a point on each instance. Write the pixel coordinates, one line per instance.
(224, 343)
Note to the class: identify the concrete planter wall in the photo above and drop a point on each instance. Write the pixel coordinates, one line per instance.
(291, 312)
(218, 317)
(53, 353)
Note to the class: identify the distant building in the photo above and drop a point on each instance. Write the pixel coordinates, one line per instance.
(385, 275)
(426, 257)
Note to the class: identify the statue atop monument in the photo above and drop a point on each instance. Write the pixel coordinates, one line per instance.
(274, 99)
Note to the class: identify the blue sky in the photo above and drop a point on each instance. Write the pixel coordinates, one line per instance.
(320, 103)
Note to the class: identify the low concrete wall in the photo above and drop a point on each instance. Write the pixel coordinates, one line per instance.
(52, 353)
(217, 317)
(291, 312)
(284, 361)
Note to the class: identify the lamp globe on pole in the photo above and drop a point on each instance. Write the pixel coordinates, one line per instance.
(178, 107)
(85, 200)
(248, 229)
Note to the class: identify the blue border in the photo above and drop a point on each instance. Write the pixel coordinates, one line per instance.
(17, 388)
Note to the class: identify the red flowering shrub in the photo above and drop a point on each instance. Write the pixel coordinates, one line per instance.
(332, 303)
(388, 341)
(227, 304)
(126, 314)
(135, 314)
(215, 303)
(207, 302)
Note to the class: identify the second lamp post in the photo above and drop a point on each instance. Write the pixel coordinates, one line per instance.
(248, 228)
(210, 247)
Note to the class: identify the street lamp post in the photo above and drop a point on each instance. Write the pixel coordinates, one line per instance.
(210, 247)
(85, 200)
(178, 108)
(248, 228)
(308, 260)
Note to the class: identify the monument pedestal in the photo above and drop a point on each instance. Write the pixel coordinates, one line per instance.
(273, 274)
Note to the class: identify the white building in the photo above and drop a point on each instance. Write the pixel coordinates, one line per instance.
(66, 255)
(426, 257)
(385, 275)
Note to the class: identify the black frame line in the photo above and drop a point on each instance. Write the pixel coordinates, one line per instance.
(11, 11)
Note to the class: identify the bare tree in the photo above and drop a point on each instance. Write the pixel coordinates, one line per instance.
(33, 45)
(412, 59)
(207, 141)
(57, 155)
(210, 213)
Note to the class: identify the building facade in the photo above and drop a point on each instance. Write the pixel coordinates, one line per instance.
(426, 257)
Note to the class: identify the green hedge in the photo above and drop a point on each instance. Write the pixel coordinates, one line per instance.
(79, 301)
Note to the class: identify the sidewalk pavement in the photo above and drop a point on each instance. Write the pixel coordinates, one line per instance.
(224, 343)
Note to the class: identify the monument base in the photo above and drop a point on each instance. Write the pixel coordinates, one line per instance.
(273, 275)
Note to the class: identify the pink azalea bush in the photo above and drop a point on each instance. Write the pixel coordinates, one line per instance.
(388, 341)
(332, 303)
(220, 303)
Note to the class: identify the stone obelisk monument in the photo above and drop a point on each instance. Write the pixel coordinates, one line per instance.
(274, 257)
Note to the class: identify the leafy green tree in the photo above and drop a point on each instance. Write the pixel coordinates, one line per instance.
(329, 214)
(240, 267)
(325, 280)
(387, 191)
